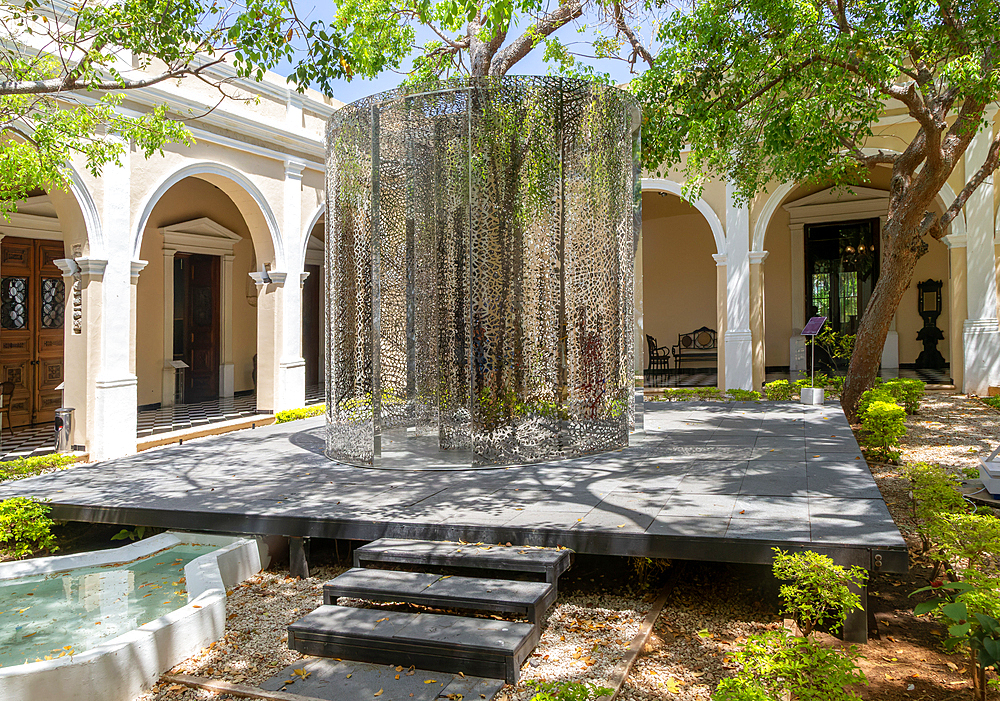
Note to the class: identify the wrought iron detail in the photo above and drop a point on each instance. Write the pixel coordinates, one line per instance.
(480, 249)
(14, 303)
(53, 302)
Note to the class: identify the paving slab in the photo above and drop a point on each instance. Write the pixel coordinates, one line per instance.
(679, 479)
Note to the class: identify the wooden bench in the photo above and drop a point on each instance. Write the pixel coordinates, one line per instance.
(698, 345)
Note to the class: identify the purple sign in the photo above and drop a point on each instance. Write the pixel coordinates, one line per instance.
(813, 326)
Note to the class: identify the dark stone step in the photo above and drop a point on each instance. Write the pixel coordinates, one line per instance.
(548, 561)
(529, 599)
(481, 647)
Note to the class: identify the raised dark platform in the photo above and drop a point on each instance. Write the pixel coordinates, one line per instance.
(707, 481)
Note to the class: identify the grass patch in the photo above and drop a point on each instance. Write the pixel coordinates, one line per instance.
(28, 467)
(296, 414)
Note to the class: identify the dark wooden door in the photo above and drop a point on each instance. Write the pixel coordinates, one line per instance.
(32, 313)
(201, 320)
(311, 324)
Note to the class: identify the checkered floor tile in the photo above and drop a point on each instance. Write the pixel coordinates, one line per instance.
(182, 416)
(27, 441)
(315, 394)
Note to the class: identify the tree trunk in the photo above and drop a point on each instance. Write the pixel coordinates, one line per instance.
(898, 262)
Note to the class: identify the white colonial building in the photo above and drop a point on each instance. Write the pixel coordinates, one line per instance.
(210, 257)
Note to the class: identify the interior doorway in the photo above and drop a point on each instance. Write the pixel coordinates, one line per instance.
(842, 267)
(32, 313)
(311, 324)
(196, 324)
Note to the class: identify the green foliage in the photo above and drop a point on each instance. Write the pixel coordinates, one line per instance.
(775, 664)
(685, 394)
(53, 59)
(137, 533)
(25, 528)
(820, 381)
(26, 467)
(973, 631)
(744, 395)
(935, 493)
(647, 570)
(882, 425)
(991, 401)
(970, 543)
(875, 394)
(300, 413)
(566, 691)
(779, 390)
(835, 383)
(907, 392)
(837, 344)
(818, 591)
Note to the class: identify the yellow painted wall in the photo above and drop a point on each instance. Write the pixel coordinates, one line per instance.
(190, 199)
(678, 273)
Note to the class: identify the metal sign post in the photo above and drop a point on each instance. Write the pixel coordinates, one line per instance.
(812, 328)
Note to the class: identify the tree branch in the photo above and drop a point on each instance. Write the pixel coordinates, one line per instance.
(70, 84)
(638, 49)
(505, 59)
(988, 167)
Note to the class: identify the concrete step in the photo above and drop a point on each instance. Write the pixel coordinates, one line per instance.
(530, 599)
(551, 562)
(481, 647)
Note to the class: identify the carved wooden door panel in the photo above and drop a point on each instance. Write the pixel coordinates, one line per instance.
(32, 310)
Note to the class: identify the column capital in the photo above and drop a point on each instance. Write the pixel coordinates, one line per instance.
(955, 240)
(758, 257)
(293, 169)
(68, 266)
(268, 277)
(136, 267)
(720, 259)
(92, 266)
(302, 278)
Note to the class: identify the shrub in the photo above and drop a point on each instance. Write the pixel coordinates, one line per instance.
(567, 691)
(836, 383)
(882, 425)
(818, 591)
(678, 394)
(779, 390)
(820, 381)
(875, 394)
(24, 528)
(708, 393)
(26, 467)
(970, 543)
(775, 665)
(744, 395)
(906, 391)
(935, 492)
(992, 401)
(296, 414)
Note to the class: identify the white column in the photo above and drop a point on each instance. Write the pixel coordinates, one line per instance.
(720, 315)
(757, 307)
(981, 333)
(796, 343)
(115, 388)
(169, 373)
(739, 340)
(227, 362)
(291, 381)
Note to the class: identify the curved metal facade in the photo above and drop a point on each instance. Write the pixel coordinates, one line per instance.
(479, 254)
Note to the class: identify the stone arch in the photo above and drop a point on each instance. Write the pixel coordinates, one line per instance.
(307, 231)
(76, 209)
(240, 189)
(674, 188)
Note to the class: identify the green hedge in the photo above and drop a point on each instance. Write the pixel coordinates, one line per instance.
(906, 391)
(26, 467)
(296, 414)
(883, 424)
(992, 401)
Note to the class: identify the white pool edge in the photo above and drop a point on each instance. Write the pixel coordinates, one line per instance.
(128, 665)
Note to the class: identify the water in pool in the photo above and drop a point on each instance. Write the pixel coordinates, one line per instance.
(65, 613)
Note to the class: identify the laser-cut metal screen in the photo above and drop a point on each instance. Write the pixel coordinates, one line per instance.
(480, 248)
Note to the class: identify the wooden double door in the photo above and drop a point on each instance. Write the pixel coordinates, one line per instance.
(32, 315)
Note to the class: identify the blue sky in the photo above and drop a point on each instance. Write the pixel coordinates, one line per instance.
(529, 65)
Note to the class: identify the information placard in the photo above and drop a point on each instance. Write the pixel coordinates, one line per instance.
(814, 325)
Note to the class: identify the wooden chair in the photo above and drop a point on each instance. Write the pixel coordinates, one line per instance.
(6, 394)
(659, 356)
(698, 345)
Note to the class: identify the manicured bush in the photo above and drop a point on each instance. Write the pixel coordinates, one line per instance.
(775, 665)
(882, 425)
(875, 394)
(744, 395)
(779, 390)
(818, 591)
(24, 528)
(969, 543)
(708, 393)
(26, 467)
(296, 414)
(992, 401)
(906, 391)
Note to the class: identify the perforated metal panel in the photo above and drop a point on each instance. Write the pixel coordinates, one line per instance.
(480, 250)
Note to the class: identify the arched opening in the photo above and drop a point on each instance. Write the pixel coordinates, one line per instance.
(679, 282)
(40, 317)
(823, 258)
(196, 329)
(313, 300)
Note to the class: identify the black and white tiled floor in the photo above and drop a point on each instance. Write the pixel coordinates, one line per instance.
(27, 441)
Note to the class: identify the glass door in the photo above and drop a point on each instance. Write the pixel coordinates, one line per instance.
(842, 263)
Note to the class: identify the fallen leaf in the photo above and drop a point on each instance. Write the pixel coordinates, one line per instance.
(349, 675)
(378, 693)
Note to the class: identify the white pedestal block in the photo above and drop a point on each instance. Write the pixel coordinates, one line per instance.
(812, 395)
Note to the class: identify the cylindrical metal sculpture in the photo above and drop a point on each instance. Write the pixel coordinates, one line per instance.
(479, 255)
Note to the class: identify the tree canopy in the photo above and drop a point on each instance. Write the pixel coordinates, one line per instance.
(760, 91)
(66, 68)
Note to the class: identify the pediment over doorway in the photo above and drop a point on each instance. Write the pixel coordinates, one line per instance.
(839, 196)
(838, 204)
(202, 235)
